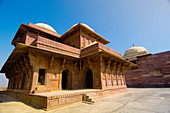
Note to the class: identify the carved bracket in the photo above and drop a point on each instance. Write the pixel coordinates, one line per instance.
(89, 62)
(51, 62)
(62, 66)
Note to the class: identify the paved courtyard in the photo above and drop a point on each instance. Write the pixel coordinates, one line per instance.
(135, 100)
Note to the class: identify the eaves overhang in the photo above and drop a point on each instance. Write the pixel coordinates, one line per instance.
(36, 28)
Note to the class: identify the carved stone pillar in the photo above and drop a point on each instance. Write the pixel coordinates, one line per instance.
(35, 71)
(16, 69)
(21, 69)
(28, 71)
(60, 74)
(124, 71)
(112, 67)
(12, 74)
(121, 75)
(76, 77)
(107, 66)
(117, 73)
(102, 77)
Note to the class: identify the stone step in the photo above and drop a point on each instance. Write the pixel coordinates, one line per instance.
(95, 99)
(88, 102)
(91, 94)
(98, 100)
(87, 99)
(91, 98)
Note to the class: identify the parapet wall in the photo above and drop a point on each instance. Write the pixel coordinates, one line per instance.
(151, 71)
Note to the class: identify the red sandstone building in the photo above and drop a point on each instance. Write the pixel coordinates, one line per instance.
(44, 64)
(151, 70)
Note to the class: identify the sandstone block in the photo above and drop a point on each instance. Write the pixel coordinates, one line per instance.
(135, 78)
(167, 62)
(146, 75)
(166, 76)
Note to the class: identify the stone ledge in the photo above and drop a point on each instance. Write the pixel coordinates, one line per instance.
(146, 75)
(134, 78)
(167, 62)
(157, 74)
(166, 76)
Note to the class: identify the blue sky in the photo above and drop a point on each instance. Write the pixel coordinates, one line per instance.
(123, 22)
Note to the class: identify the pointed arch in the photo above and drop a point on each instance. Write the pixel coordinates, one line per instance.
(88, 78)
(65, 79)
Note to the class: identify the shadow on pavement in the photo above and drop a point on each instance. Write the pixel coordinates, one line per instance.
(6, 98)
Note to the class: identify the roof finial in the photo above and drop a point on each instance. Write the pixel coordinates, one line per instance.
(44, 22)
(133, 45)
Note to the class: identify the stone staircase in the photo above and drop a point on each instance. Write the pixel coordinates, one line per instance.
(91, 98)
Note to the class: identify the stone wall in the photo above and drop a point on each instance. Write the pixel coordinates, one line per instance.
(86, 39)
(73, 40)
(151, 71)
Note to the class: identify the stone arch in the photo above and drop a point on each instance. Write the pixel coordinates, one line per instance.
(88, 79)
(66, 79)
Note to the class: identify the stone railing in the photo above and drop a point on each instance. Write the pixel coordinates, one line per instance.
(109, 50)
(54, 46)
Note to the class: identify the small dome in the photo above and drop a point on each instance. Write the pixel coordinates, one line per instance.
(133, 52)
(46, 26)
(85, 25)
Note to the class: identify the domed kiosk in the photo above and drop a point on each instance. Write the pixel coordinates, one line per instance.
(132, 53)
(46, 26)
(83, 24)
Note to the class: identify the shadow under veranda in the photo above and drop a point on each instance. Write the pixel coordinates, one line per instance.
(4, 98)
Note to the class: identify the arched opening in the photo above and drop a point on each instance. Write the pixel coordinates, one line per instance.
(89, 79)
(64, 79)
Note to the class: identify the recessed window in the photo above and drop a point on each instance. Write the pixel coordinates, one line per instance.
(41, 77)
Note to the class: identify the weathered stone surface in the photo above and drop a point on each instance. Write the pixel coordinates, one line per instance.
(152, 71)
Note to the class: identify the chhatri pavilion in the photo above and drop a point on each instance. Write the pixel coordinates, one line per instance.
(44, 64)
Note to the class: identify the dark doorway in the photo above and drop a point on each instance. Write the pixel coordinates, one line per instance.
(89, 79)
(41, 77)
(64, 79)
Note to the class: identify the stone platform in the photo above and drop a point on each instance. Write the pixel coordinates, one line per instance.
(57, 99)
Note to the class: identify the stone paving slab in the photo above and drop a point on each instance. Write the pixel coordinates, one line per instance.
(64, 92)
(135, 100)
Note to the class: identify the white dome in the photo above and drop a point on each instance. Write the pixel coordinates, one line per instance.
(46, 26)
(85, 25)
(134, 51)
